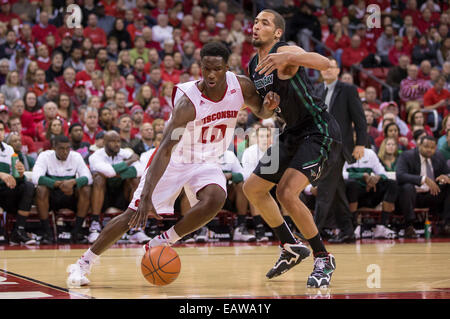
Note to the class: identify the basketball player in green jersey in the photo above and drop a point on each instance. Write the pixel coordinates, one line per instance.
(307, 148)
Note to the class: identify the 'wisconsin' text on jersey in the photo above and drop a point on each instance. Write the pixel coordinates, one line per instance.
(219, 116)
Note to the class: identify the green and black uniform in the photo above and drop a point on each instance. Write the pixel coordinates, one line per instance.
(311, 139)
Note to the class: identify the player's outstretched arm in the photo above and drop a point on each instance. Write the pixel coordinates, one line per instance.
(183, 113)
(291, 57)
(261, 108)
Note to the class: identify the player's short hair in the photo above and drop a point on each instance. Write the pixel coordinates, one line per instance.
(278, 19)
(215, 49)
(60, 139)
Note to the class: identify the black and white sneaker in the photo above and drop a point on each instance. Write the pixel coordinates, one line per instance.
(291, 255)
(19, 236)
(189, 238)
(260, 233)
(241, 233)
(202, 235)
(323, 269)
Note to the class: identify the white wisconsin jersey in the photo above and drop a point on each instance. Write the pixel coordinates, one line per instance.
(210, 134)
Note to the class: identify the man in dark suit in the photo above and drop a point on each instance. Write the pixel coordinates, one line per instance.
(345, 105)
(422, 174)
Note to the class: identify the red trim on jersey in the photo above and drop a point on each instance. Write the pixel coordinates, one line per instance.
(174, 92)
(204, 96)
(151, 158)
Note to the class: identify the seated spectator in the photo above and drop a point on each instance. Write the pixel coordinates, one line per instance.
(75, 60)
(127, 139)
(43, 57)
(155, 81)
(51, 95)
(146, 141)
(91, 127)
(16, 194)
(86, 74)
(137, 118)
(367, 185)
(40, 86)
(50, 113)
(124, 63)
(371, 98)
(424, 50)
(67, 82)
(28, 145)
(437, 98)
(114, 175)
(55, 175)
(384, 44)
(12, 88)
(391, 129)
(76, 135)
(144, 96)
(155, 111)
(139, 50)
(372, 131)
(131, 88)
(444, 146)
(122, 36)
(55, 71)
(43, 28)
(158, 126)
(9, 47)
(106, 120)
(108, 95)
(424, 70)
(54, 129)
(4, 70)
(99, 143)
(121, 103)
(4, 115)
(80, 97)
(355, 53)
(412, 88)
(168, 71)
(395, 76)
(65, 109)
(162, 30)
(422, 175)
(112, 77)
(166, 96)
(392, 108)
(96, 34)
(26, 118)
(388, 154)
(14, 140)
(195, 72)
(417, 119)
(337, 40)
(397, 51)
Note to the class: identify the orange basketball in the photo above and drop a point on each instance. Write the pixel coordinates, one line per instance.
(160, 265)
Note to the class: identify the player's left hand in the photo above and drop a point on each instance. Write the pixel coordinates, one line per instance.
(271, 101)
(271, 62)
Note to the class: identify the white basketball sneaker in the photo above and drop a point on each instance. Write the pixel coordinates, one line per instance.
(138, 237)
(384, 232)
(77, 274)
(94, 231)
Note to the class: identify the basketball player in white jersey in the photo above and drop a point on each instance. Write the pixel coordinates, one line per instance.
(200, 129)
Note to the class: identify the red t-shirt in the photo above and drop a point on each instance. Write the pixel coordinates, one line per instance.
(97, 35)
(432, 97)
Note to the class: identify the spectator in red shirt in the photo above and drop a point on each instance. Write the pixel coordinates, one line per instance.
(410, 40)
(425, 22)
(136, 28)
(223, 7)
(54, 128)
(437, 98)
(147, 34)
(424, 70)
(96, 34)
(39, 86)
(85, 76)
(43, 60)
(411, 9)
(43, 28)
(397, 51)
(416, 119)
(67, 83)
(28, 146)
(50, 113)
(91, 127)
(338, 10)
(137, 116)
(18, 110)
(168, 71)
(80, 97)
(155, 111)
(355, 53)
(155, 80)
(121, 103)
(6, 15)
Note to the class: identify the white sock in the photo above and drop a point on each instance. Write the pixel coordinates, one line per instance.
(89, 258)
(171, 235)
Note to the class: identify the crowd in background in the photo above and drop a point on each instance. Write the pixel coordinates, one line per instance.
(116, 72)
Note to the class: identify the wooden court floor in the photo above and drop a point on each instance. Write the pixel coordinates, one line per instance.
(371, 269)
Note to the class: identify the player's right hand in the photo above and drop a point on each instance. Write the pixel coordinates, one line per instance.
(271, 101)
(9, 180)
(144, 211)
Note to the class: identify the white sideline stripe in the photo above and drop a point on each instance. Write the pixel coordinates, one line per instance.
(8, 283)
(23, 295)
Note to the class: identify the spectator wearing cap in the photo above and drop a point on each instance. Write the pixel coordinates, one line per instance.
(56, 68)
(137, 117)
(168, 71)
(139, 50)
(91, 126)
(437, 98)
(80, 95)
(67, 82)
(162, 30)
(412, 88)
(66, 46)
(85, 75)
(135, 28)
(43, 28)
(392, 107)
(8, 48)
(127, 140)
(96, 34)
(6, 15)
(77, 144)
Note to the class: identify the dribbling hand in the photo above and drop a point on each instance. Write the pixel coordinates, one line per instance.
(144, 211)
